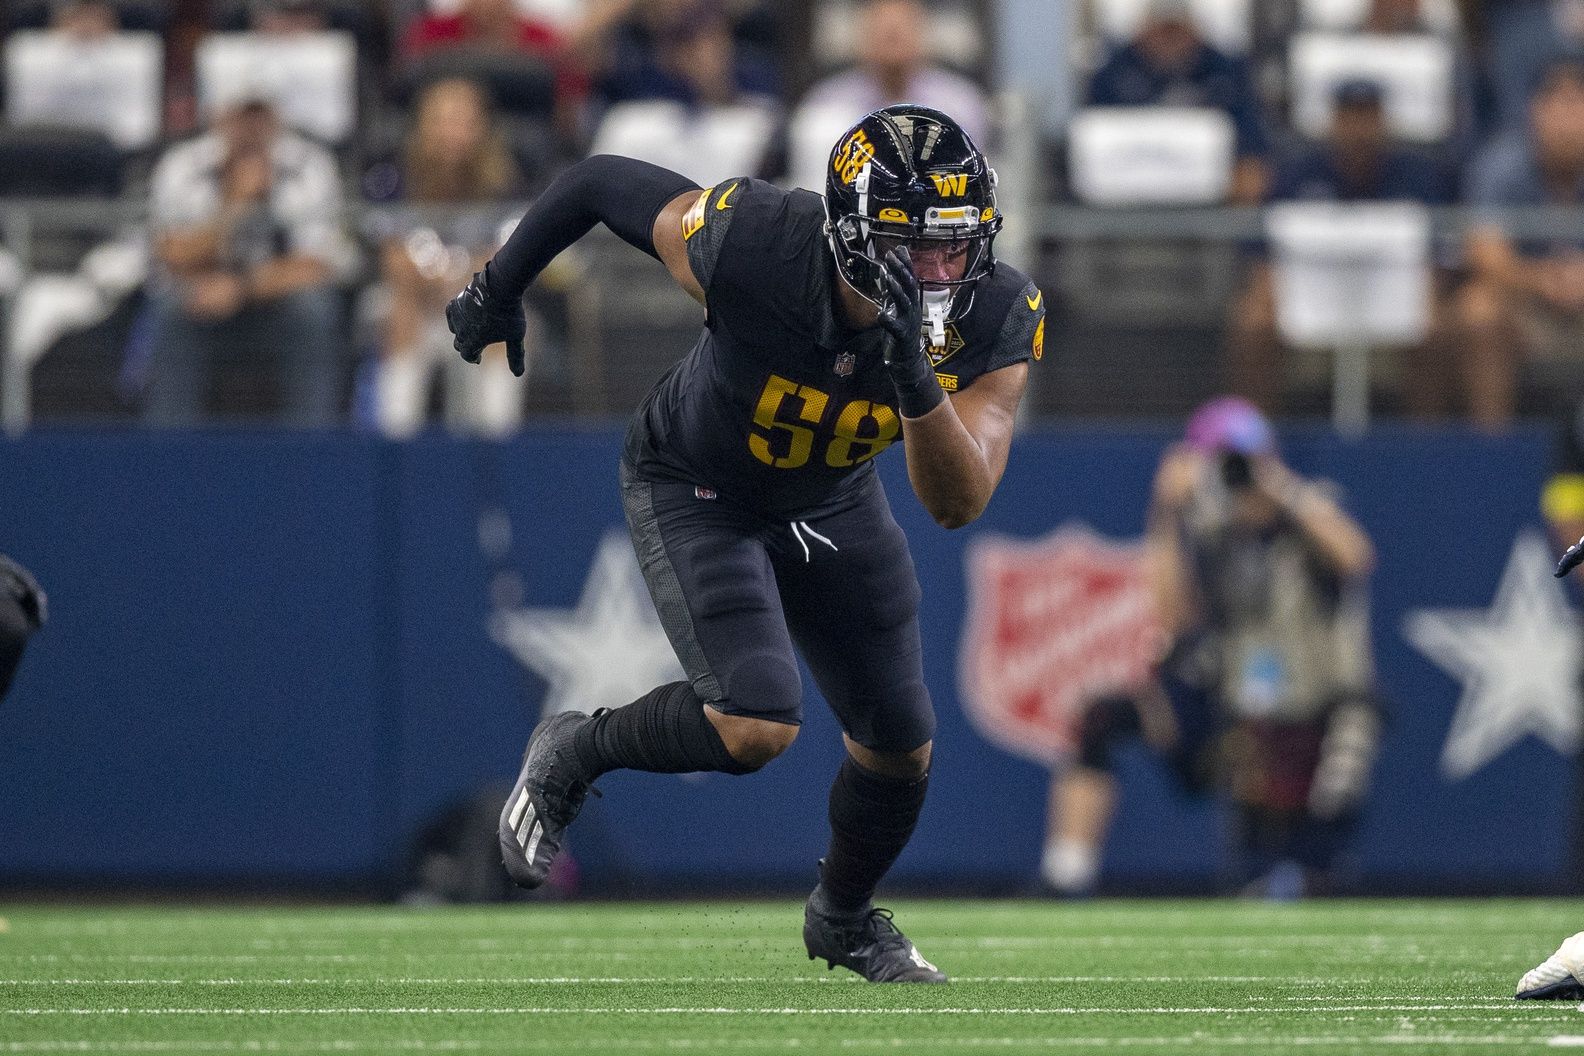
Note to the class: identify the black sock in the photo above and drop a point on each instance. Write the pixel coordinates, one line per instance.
(664, 731)
(871, 818)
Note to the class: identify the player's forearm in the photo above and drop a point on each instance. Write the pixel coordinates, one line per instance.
(623, 194)
(1336, 535)
(950, 472)
(1167, 572)
(277, 278)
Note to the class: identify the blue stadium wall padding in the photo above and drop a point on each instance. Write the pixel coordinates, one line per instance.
(270, 660)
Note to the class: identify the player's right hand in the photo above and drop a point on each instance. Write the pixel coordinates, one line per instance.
(478, 319)
(1571, 559)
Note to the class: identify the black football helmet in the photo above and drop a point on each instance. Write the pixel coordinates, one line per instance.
(909, 175)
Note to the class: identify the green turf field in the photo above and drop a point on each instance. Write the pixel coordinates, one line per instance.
(732, 978)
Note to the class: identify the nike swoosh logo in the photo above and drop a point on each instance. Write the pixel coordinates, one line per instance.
(721, 203)
(1035, 301)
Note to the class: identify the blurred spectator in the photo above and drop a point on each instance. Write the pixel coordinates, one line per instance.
(1522, 37)
(496, 27)
(894, 67)
(1168, 63)
(1267, 692)
(84, 73)
(1356, 163)
(677, 50)
(288, 17)
(1418, 59)
(246, 230)
(684, 95)
(1524, 299)
(453, 156)
(85, 19)
(1396, 16)
(487, 25)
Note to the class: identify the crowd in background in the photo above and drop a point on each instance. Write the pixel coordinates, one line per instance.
(250, 126)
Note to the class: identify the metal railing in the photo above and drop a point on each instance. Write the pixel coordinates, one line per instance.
(26, 224)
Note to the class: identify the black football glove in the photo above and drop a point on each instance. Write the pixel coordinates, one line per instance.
(19, 583)
(478, 318)
(1571, 559)
(912, 373)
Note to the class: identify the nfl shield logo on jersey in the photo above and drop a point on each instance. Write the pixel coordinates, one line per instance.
(1053, 625)
(845, 361)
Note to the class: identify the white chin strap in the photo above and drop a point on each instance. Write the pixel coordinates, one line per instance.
(936, 304)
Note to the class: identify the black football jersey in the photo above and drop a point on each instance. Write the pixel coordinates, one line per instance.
(780, 403)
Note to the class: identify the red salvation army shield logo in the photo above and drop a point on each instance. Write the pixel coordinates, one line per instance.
(1053, 624)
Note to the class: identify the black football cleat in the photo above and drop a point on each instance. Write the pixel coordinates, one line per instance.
(548, 794)
(869, 944)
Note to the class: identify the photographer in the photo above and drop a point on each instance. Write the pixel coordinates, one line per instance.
(1267, 689)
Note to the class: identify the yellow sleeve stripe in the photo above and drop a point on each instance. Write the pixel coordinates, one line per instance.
(693, 219)
(1563, 498)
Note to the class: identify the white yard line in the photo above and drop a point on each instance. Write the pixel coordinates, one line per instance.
(580, 980)
(740, 1044)
(541, 1010)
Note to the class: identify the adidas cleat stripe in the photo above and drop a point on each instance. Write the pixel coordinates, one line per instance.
(517, 810)
(529, 823)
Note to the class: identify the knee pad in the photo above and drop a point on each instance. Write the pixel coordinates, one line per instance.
(763, 685)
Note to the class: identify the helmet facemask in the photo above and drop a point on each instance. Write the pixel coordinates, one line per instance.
(951, 248)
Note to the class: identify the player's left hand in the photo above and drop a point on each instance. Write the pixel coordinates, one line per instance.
(918, 390)
(903, 314)
(479, 319)
(1571, 559)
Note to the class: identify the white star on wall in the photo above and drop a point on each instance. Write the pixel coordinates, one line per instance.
(1519, 662)
(608, 651)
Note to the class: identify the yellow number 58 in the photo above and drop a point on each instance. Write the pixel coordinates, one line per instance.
(852, 443)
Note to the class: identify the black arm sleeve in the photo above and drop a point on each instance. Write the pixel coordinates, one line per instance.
(626, 194)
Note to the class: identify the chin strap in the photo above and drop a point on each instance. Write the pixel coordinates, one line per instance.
(937, 304)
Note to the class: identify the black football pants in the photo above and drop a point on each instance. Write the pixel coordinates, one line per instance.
(736, 589)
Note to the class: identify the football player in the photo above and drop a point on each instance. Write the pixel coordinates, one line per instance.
(834, 328)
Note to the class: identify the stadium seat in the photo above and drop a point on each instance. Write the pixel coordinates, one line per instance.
(1150, 155)
(555, 12)
(706, 145)
(1351, 273)
(312, 77)
(1415, 70)
(1441, 15)
(1227, 24)
(1350, 278)
(54, 162)
(113, 86)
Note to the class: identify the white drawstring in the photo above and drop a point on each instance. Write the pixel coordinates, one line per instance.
(807, 554)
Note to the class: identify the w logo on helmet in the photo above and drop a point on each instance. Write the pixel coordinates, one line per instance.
(951, 184)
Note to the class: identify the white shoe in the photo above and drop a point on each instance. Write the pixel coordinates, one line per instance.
(1561, 976)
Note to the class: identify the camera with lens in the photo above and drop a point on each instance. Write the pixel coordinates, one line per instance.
(1237, 472)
